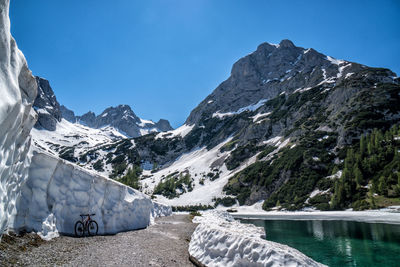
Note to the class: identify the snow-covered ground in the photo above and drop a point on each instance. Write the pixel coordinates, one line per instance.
(219, 240)
(198, 163)
(69, 134)
(389, 215)
(252, 107)
(181, 131)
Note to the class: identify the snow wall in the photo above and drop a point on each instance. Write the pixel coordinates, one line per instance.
(47, 195)
(57, 192)
(18, 91)
(219, 240)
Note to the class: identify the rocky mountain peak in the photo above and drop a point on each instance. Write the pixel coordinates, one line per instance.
(163, 125)
(270, 71)
(88, 119)
(67, 114)
(286, 44)
(123, 112)
(47, 106)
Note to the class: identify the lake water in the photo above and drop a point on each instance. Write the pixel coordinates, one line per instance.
(338, 243)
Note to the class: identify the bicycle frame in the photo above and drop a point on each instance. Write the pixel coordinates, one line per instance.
(86, 222)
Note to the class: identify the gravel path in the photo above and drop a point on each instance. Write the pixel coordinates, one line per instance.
(163, 244)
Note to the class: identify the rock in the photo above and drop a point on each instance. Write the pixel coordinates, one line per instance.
(88, 119)
(163, 125)
(47, 106)
(67, 114)
(268, 72)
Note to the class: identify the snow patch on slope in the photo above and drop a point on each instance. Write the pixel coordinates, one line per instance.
(219, 240)
(181, 131)
(198, 163)
(70, 134)
(252, 107)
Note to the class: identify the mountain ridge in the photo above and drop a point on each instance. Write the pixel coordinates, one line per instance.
(121, 117)
(272, 132)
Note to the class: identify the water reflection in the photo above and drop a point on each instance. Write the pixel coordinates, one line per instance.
(338, 243)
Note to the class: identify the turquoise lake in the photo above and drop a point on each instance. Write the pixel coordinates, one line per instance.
(337, 243)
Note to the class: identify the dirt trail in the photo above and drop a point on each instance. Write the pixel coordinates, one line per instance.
(163, 244)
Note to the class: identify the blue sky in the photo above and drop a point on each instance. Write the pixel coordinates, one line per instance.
(163, 57)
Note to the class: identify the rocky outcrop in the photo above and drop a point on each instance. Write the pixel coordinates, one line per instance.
(46, 106)
(67, 114)
(270, 71)
(88, 119)
(18, 89)
(163, 125)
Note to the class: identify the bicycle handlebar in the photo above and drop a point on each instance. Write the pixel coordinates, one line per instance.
(87, 214)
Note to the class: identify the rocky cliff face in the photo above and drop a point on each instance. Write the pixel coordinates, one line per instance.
(270, 71)
(46, 106)
(18, 91)
(67, 114)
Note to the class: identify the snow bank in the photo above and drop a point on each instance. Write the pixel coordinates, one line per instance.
(160, 210)
(219, 240)
(56, 192)
(181, 131)
(18, 91)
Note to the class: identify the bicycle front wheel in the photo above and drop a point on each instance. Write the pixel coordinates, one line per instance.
(93, 228)
(79, 229)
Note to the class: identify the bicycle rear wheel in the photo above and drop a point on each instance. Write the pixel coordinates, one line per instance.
(79, 229)
(93, 228)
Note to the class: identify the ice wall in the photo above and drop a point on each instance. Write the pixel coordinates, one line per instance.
(160, 210)
(219, 240)
(59, 190)
(18, 90)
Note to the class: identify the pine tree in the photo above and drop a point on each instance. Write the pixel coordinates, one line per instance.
(382, 186)
(363, 145)
(335, 169)
(358, 177)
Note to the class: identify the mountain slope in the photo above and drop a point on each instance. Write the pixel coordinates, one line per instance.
(274, 131)
(59, 132)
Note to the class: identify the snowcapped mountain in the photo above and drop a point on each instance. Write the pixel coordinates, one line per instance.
(275, 69)
(121, 117)
(59, 132)
(125, 120)
(274, 132)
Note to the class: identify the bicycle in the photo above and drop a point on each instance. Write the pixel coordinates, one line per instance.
(87, 224)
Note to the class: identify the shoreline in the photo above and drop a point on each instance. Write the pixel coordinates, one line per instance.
(373, 216)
